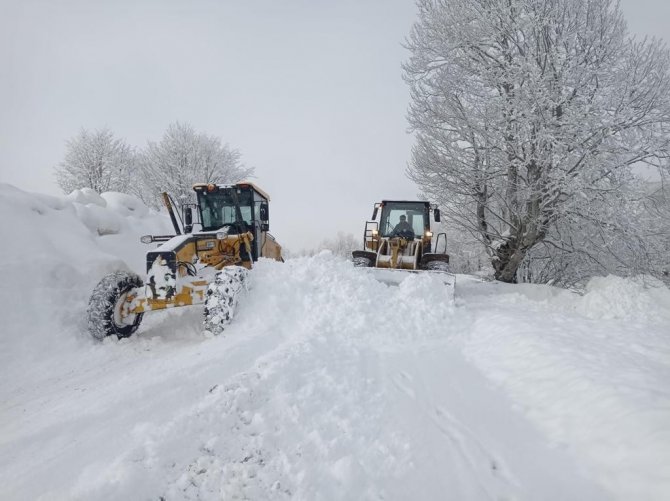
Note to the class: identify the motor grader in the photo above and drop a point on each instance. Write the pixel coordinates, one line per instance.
(207, 267)
(401, 242)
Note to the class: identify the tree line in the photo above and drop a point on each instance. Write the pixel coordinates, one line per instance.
(98, 160)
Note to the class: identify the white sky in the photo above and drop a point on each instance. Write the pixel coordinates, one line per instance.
(310, 92)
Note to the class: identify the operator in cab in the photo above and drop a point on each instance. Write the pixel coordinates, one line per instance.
(403, 229)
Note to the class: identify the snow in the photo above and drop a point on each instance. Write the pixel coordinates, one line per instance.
(328, 384)
(598, 386)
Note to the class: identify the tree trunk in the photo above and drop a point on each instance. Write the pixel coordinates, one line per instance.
(507, 260)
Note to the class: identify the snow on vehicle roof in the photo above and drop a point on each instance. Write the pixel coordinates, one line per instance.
(405, 202)
(242, 184)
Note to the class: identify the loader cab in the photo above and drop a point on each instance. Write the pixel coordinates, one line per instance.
(235, 208)
(416, 214)
(401, 238)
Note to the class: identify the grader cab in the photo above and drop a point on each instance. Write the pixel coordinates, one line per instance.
(207, 267)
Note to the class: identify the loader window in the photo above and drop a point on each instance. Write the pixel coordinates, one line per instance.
(415, 214)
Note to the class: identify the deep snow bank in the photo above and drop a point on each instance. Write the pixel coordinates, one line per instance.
(55, 249)
(641, 298)
(327, 385)
(592, 371)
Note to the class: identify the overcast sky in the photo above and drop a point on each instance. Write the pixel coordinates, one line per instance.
(310, 92)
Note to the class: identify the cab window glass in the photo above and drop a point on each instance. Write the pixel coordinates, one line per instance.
(415, 216)
(218, 208)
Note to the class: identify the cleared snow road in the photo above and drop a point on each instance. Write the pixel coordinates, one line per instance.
(328, 385)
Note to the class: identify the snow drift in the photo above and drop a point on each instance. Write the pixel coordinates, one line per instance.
(328, 385)
(57, 249)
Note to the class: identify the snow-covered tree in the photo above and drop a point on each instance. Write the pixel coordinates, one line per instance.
(466, 253)
(96, 160)
(184, 157)
(634, 239)
(529, 116)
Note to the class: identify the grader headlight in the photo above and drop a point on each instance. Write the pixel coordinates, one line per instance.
(146, 239)
(429, 234)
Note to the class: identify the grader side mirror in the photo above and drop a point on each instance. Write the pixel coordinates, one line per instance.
(436, 215)
(374, 212)
(188, 219)
(264, 212)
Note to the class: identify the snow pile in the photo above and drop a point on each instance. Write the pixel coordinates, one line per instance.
(327, 385)
(641, 298)
(125, 205)
(352, 305)
(56, 250)
(612, 297)
(597, 387)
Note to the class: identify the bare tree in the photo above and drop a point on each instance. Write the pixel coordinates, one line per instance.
(529, 115)
(184, 157)
(96, 160)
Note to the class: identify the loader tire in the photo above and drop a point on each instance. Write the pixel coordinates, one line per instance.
(104, 306)
(363, 259)
(222, 298)
(437, 266)
(362, 262)
(435, 262)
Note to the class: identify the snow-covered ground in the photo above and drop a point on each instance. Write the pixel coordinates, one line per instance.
(328, 385)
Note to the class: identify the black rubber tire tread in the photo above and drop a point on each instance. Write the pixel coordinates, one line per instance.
(435, 262)
(100, 311)
(362, 262)
(363, 259)
(436, 265)
(429, 257)
(222, 297)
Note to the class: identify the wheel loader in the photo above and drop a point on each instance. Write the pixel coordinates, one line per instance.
(208, 266)
(400, 242)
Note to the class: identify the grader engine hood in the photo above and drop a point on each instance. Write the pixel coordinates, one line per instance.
(177, 268)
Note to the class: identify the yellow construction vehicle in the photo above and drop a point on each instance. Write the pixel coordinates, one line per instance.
(402, 241)
(191, 267)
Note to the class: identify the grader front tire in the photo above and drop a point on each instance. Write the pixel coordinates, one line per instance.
(104, 306)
